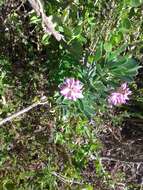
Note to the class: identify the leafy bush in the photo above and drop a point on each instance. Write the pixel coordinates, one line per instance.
(96, 44)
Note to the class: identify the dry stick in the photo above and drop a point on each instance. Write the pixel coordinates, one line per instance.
(65, 180)
(10, 118)
(122, 160)
(119, 160)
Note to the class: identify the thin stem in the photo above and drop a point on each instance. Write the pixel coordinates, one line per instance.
(65, 180)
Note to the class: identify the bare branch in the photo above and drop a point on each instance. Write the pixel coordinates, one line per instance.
(47, 23)
(15, 115)
(36, 7)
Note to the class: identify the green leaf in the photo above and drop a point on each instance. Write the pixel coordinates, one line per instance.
(86, 106)
(35, 20)
(126, 23)
(76, 49)
(108, 46)
(45, 39)
(116, 38)
(113, 56)
(136, 3)
(87, 187)
(125, 67)
(77, 30)
(98, 53)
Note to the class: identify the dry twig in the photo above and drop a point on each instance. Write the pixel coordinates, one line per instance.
(65, 180)
(107, 158)
(15, 115)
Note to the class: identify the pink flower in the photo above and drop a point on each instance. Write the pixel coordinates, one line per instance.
(71, 89)
(120, 96)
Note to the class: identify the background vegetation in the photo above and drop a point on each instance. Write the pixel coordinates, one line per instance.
(84, 145)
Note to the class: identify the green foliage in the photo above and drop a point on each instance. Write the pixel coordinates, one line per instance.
(98, 79)
(4, 78)
(51, 147)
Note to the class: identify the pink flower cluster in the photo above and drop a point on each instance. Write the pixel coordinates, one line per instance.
(71, 89)
(120, 96)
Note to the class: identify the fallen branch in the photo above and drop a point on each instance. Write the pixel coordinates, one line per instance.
(15, 115)
(47, 23)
